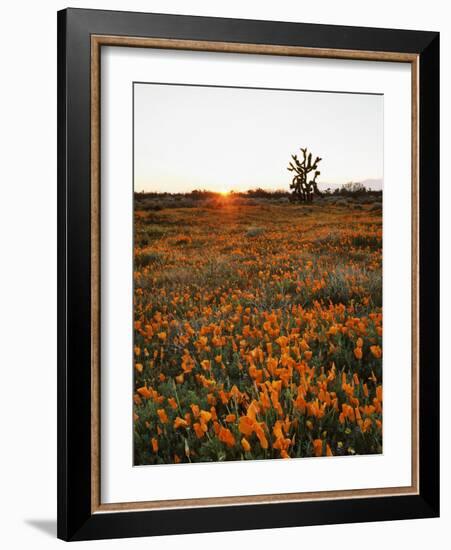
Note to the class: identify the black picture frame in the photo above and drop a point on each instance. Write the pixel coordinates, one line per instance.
(76, 521)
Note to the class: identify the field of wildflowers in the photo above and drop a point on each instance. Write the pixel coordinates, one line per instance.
(257, 331)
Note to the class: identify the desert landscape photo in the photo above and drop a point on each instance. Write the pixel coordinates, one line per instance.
(257, 274)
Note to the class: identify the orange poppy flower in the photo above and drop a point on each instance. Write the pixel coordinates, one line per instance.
(198, 430)
(379, 393)
(226, 436)
(205, 364)
(318, 447)
(162, 416)
(144, 392)
(376, 351)
(261, 436)
(172, 402)
(180, 423)
(205, 416)
(246, 425)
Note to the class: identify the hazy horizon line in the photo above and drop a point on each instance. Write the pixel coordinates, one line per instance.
(377, 182)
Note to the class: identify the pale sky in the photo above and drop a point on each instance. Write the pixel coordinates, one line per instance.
(219, 139)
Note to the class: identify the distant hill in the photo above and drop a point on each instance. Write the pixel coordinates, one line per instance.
(374, 184)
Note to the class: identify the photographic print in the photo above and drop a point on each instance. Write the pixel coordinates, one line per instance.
(248, 268)
(257, 273)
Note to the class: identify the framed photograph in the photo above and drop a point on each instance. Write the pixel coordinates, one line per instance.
(248, 274)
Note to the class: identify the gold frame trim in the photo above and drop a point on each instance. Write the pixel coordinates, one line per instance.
(97, 41)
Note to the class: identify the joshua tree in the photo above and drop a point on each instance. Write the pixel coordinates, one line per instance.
(303, 190)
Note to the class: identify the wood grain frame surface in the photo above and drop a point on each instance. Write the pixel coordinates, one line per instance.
(97, 42)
